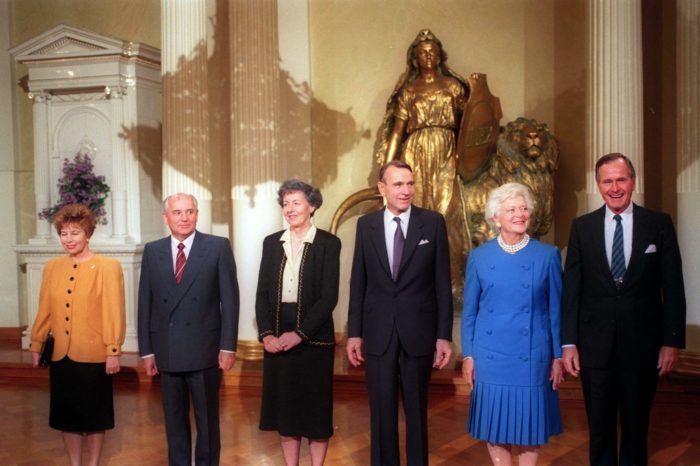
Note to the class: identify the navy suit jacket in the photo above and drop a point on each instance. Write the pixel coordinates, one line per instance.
(186, 325)
(645, 313)
(419, 303)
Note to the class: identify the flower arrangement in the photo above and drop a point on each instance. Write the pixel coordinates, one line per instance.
(80, 185)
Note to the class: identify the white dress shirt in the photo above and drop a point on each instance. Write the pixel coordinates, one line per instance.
(188, 247)
(390, 230)
(290, 276)
(610, 224)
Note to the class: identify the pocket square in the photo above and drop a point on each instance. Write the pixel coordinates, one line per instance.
(651, 248)
(423, 241)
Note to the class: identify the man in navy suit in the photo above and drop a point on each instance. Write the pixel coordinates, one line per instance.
(400, 313)
(188, 327)
(623, 312)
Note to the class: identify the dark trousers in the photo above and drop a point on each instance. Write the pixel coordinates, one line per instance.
(385, 374)
(202, 387)
(610, 392)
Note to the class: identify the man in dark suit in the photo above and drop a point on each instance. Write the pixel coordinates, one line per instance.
(188, 327)
(400, 313)
(623, 312)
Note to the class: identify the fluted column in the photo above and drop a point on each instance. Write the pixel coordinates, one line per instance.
(688, 160)
(255, 167)
(118, 98)
(42, 186)
(615, 119)
(186, 158)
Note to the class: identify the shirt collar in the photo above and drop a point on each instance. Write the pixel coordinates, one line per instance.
(609, 214)
(187, 241)
(404, 216)
(308, 237)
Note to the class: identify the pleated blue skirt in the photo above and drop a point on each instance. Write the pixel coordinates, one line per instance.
(514, 415)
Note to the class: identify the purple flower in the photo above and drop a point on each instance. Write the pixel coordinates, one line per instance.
(80, 185)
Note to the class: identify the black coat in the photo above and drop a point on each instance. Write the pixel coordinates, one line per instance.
(645, 313)
(318, 288)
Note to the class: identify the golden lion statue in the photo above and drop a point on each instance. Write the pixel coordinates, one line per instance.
(526, 153)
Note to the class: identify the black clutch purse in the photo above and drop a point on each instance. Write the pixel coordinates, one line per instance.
(46, 351)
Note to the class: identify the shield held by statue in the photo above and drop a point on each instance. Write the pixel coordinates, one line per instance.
(478, 131)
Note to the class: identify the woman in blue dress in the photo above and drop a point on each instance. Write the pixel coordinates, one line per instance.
(510, 333)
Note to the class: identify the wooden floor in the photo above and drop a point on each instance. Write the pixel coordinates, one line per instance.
(139, 439)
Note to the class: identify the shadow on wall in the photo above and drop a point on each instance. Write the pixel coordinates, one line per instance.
(336, 133)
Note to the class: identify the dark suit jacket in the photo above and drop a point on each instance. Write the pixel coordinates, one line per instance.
(647, 312)
(318, 288)
(186, 325)
(419, 303)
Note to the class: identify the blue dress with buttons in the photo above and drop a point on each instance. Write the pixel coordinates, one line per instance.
(510, 326)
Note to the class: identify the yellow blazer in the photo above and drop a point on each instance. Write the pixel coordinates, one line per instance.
(83, 306)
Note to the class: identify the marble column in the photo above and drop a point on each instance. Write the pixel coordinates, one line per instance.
(255, 134)
(118, 97)
(688, 159)
(42, 193)
(186, 158)
(615, 119)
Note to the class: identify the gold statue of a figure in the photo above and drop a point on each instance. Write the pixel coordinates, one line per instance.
(447, 129)
(420, 127)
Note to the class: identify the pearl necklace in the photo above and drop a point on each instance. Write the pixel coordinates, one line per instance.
(513, 248)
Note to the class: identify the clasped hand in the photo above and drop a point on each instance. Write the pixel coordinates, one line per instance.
(284, 342)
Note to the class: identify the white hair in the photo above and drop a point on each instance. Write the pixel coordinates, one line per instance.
(501, 194)
(173, 196)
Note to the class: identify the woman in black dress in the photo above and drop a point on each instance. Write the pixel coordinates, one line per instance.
(82, 303)
(297, 292)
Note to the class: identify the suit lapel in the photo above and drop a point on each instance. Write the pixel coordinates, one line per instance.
(639, 227)
(164, 263)
(598, 240)
(379, 240)
(413, 236)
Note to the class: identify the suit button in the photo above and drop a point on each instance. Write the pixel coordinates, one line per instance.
(525, 309)
(526, 285)
(165, 300)
(526, 267)
(187, 324)
(490, 356)
(171, 324)
(492, 267)
(524, 331)
(489, 332)
(490, 309)
(523, 358)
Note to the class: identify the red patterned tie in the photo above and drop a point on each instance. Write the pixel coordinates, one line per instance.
(180, 263)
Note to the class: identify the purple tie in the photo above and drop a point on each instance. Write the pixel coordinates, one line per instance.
(398, 249)
(180, 260)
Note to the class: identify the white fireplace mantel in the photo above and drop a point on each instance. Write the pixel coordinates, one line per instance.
(97, 95)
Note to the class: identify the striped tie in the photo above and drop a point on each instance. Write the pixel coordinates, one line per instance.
(180, 263)
(617, 265)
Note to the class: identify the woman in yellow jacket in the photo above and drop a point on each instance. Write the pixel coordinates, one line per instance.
(82, 304)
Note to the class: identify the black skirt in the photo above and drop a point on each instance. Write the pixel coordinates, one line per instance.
(81, 397)
(297, 394)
